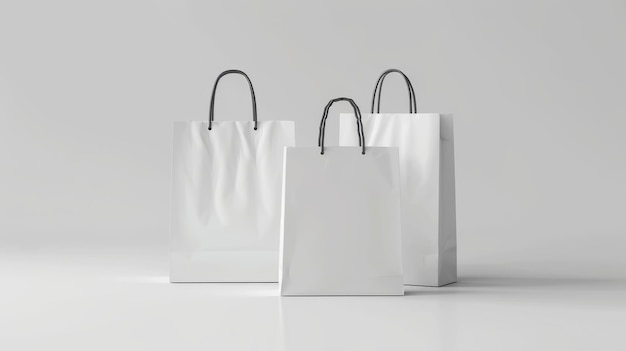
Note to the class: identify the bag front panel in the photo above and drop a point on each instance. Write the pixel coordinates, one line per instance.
(341, 227)
(226, 189)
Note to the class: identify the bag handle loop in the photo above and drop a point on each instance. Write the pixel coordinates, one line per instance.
(212, 107)
(379, 90)
(359, 124)
(323, 123)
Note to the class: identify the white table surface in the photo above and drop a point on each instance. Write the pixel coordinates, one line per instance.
(114, 298)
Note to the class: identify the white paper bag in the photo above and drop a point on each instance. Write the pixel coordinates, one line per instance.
(426, 145)
(340, 230)
(226, 187)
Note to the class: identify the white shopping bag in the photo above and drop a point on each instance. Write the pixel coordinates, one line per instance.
(226, 187)
(340, 230)
(426, 145)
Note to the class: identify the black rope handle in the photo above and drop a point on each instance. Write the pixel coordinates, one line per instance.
(212, 108)
(357, 115)
(323, 124)
(379, 89)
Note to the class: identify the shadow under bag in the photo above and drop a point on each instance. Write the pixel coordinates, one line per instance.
(426, 146)
(340, 230)
(226, 187)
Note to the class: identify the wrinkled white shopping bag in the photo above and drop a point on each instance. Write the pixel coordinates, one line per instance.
(226, 193)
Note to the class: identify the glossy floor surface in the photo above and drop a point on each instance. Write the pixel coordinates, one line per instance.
(112, 298)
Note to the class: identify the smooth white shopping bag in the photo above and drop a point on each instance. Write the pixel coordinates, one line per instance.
(226, 194)
(341, 219)
(426, 146)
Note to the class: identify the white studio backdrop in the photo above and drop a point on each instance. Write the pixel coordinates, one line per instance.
(89, 92)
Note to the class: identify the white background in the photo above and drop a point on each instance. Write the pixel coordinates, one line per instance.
(89, 91)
